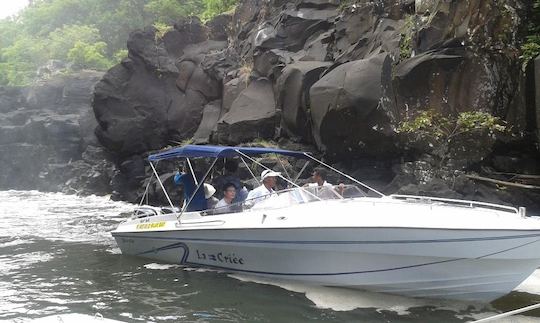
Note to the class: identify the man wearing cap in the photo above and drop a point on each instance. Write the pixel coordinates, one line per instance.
(268, 178)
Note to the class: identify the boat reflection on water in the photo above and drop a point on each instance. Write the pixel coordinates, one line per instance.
(343, 236)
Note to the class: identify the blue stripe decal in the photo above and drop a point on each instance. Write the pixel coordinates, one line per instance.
(184, 261)
(140, 236)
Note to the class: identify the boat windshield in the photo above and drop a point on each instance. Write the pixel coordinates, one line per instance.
(291, 196)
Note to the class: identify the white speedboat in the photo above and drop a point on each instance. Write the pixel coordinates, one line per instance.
(338, 236)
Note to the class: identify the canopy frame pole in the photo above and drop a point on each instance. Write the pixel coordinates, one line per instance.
(301, 171)
(192, 172)
(249, 169)
(345, 175)
(283, 166)
(184, 208)
(288, 181)
(146, 190)
(161, 184)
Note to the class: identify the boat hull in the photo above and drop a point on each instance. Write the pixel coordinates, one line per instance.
(478, 265)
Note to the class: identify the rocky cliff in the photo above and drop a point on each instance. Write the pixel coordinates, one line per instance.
(338, 75)
(335, 77)
(47, 139)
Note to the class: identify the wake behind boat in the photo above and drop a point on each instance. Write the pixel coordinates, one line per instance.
(340, 236)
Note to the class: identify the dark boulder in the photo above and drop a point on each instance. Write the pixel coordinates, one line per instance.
(231, 90)
(133, 109)
(294, 28)
(269, 63)
(211, 115)
(219, 27)
(138, 111)
(185, 70)
(456, 23)
(293, 96)
(346, 113)
(186, 31)
(360, 35)
(143, 45)
(368, 29)
(423, 81)
(252, 115)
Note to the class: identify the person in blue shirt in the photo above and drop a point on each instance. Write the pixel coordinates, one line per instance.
(198, 203)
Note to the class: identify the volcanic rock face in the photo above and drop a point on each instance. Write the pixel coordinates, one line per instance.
(252, 115)
(312, 65)
(140, 111)
(293, 96)
(47, 137)
(341, 76)
(345, 109)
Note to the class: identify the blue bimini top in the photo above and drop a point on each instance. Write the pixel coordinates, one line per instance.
(220, 151)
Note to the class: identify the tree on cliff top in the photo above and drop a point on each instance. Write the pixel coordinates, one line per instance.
(91, 30)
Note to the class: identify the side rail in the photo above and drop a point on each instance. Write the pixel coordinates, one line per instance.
(464, 203)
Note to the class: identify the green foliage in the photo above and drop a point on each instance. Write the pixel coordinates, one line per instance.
(120, 55)
(169, 11)
(20, 60)
(405, 43)
(75, 31)
(161, 29)
(51, 29)
(216, 7)
(433, 125)
(89, 56)
(62, 40)
(444, 133)
(531, 48)
(344, 4)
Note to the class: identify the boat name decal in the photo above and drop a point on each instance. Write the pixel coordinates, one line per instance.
(151, 225)
(220, 257)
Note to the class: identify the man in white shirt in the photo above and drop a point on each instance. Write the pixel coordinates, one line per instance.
(322, 188)
(268, 178)
(319, 178)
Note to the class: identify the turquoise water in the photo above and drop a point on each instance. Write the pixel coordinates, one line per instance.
(57, 257)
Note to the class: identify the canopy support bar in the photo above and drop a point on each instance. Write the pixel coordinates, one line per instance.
(301, 171)
(249, 169)
(146, 190)
(283, 166)
(343, 174)
(285, 179)
(161, 184)
(197, 188)
(192, 172)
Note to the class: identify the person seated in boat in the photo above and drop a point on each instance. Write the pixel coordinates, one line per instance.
(198, 203)
(225, 205)
(321, 187)
(269, 180)
(230, 176)
(209, 191)
(319, 178)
